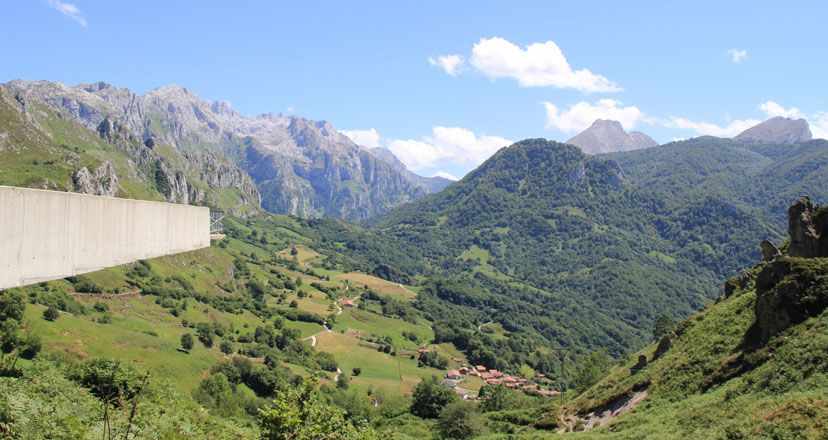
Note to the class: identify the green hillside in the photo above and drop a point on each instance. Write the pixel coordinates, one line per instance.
(579, 252)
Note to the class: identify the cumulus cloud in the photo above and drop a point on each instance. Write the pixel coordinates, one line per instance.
(711, 129)
(819, 125)
(366, 138)
(450, 63)
(537, 65)
(773, 109)
(583, 114)
(69, 10)
(737, 55)
(446, 145)
(445, 175)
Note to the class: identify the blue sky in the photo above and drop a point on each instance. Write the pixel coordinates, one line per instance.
(509, 70)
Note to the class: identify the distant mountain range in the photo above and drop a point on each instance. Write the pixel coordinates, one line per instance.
(606, 136)
(300, 167)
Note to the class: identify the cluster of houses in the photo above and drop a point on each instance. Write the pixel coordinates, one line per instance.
(493, 377)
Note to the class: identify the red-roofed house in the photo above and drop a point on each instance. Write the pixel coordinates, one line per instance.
(453, 374)
(347, 303)
(495, 373)
(480, 369)
(464, 370)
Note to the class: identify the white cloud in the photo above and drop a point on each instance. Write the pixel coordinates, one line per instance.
(707, 128)
(737, 55)
(819, 125)
(538, 65)
(772, 109)
(445, 175)
(446, 145)
(452, 64)
(366, 138)
(583, 114)
(69, 10)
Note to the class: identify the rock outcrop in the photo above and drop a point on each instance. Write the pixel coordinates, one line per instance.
(100, 182)
(807, 228)
(794, 286)
(777, 130)
(605, 136)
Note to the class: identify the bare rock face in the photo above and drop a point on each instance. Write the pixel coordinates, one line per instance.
(807, 228)
(793, 287)
(777, 130)
(605, 136)
(769, 250)
(100, 182)
(663, 345)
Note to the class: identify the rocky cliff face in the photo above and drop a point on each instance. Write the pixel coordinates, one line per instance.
(793, 286)
(777, 130)
(605, 136)
(181, 175)
(299, 166)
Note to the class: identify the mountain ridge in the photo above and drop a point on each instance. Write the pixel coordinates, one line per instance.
(300, 167)
(606, 136)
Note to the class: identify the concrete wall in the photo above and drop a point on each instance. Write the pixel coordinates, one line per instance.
(45, 235)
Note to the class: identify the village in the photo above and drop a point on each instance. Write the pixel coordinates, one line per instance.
(453, 379)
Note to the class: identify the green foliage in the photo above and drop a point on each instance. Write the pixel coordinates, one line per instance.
(459, 420)
(51, 313)
(110, 380)
(429, 397)
(592, 369)
(304, 414)
(187, 341)
(662, 326)
(226, 346)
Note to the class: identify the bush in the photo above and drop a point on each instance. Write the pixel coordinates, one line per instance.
(226, 347)
(187, 342)
(108, 379)
(100, 307)
(459, 420)
(51, 314)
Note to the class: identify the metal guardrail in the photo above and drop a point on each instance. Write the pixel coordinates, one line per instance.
(216, 222)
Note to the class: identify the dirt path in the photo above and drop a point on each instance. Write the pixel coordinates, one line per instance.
(338, 372)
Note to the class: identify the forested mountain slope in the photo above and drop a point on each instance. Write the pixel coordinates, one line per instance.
(587, 251)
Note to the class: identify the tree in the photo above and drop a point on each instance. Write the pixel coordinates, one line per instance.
(459, 420)
(294, 304)
(302, 413)
(493, 397)
(662, 326)
(51, 314)
(342, 382)
(226, 346)
(356, 371)
(187, 342)
(430, 397)
(294, 251)
(12, 306)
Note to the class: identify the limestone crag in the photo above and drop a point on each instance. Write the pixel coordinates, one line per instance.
(100, 182)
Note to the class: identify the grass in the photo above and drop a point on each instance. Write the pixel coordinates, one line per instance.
(377, 284)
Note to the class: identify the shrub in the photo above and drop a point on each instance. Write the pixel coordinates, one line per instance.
(51, 314)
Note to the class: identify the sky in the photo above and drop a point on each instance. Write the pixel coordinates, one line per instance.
(444, 85)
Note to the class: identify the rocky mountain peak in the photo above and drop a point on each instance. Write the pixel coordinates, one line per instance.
(223, 108)
(605, 136)
(777, 130)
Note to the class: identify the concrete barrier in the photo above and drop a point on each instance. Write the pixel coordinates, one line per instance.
(46, 235)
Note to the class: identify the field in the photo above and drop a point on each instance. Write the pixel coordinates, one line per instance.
(378, 284)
